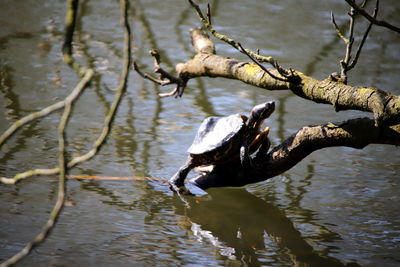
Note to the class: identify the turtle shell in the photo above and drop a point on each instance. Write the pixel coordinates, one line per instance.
(217, 133)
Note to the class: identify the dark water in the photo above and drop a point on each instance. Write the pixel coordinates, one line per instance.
(338, 206)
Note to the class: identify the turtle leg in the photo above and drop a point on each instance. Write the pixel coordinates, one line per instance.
(245, 159)
(179, 177)
(264, 144)
(263, 150)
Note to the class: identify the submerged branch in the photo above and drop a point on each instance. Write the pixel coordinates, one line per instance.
(107, 121)
(61, 189)
(84, 82)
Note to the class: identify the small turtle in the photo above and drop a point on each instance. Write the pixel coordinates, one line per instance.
(222, 139)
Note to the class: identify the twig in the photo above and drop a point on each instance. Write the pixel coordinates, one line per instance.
(339, 33)
(62, 168)
(48, 110)
(289, 75)
(354, 62)
(117, 178)
(207, 23)
(123, 80)
(165, 78)
(347, 63)
(344, 63)
(372, 19)
(241, 49)
(70, 22)
(72, 97)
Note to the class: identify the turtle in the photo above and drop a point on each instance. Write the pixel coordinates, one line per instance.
(220, 140)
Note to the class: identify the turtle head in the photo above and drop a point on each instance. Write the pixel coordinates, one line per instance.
(260, 112)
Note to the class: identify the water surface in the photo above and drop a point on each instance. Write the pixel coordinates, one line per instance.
(338, 206)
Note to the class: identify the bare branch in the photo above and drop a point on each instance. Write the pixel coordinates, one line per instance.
(371, 18)
(339, 33)
(207, 23)
(241, 49)
(347, 63)
(149, 77)
(289, 76)
(383, 105)
(209, 14)
(165, 78)
(354, 62)
(70, 23)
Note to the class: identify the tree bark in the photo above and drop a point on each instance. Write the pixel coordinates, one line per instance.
(384, 106)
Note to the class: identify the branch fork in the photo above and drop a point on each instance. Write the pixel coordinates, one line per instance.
(347, 64)
(164, 78)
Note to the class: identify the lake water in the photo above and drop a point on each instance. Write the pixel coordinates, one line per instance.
(338, 206)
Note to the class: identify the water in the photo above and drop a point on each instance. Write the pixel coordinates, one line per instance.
(337, 206)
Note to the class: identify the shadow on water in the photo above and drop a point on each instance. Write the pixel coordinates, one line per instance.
(242, 227)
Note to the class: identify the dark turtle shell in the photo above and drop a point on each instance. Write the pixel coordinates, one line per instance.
(216, 135)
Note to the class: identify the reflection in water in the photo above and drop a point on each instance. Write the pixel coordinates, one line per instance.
(243, 228)
(7, 83)
(149, 35)
(236, 222)
(318, 57)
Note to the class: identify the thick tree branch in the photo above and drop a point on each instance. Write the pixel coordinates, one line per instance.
(351, 133)
(384, 106)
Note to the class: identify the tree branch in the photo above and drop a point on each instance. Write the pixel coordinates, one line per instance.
(308, 139)
(354, 62)
(371, 18)
(67, 49)
(347, 63)
(165, 78)
(384, 106)
(207, 23)
(289, 75)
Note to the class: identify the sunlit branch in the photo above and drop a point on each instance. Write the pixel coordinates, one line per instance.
(165, 78)
(207, 23)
